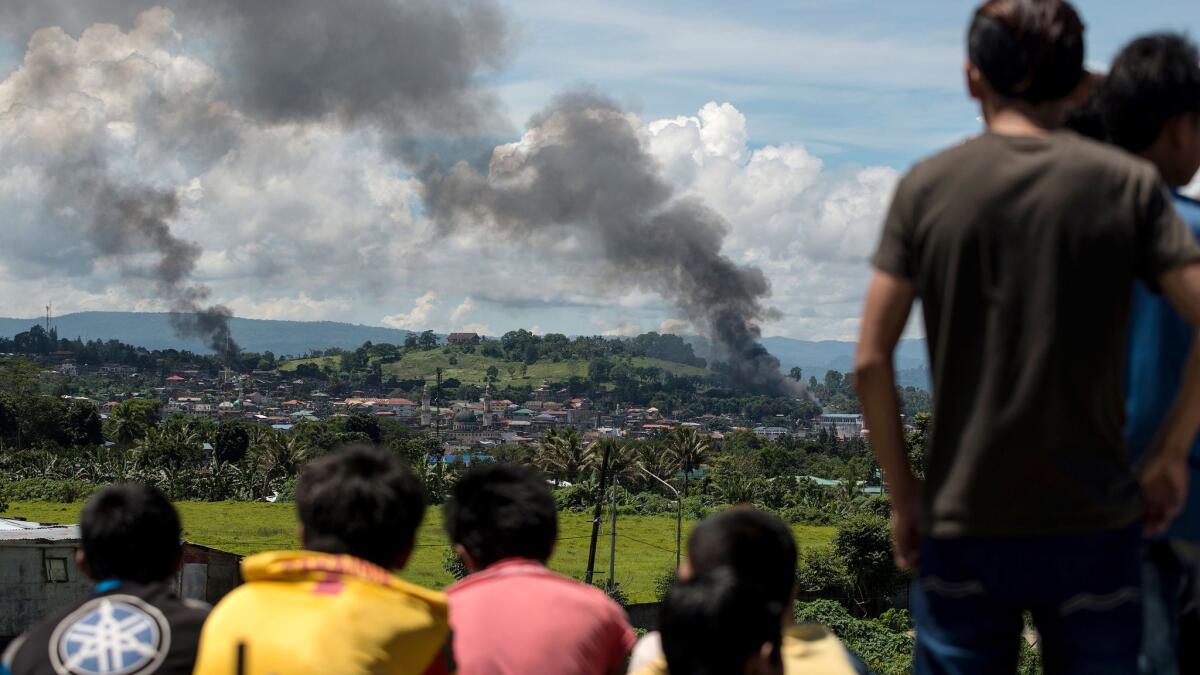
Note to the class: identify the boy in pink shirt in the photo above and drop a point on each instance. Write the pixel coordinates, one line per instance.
(512, 615)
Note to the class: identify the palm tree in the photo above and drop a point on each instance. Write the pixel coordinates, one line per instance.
(281, 454)
(127, 426)
(689, 450)
(656, 459)
(562, 456)
(622, 459)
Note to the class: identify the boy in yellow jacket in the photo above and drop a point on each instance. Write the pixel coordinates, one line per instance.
(335, 608)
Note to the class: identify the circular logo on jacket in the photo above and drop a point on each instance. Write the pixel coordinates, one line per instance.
(110, 635)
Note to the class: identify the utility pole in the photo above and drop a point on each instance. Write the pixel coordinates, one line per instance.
(437, 424)
(612, 541)
(591, 565)
(678, 513)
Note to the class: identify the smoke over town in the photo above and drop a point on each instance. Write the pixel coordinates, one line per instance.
(405, 74)
(581, 164)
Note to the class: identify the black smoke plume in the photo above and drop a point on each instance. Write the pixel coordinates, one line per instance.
(130, 225)
(407, 69)
(582, 165)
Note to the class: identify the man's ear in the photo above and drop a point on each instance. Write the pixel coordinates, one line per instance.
(974, 80)
(685, 570)
(82, 563)
(1079, 96)
(766, 661)
(468, 560)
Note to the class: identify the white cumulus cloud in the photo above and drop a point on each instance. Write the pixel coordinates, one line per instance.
(418, 317)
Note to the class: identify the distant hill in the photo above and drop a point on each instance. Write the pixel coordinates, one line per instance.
(816, 358)
(153, 331)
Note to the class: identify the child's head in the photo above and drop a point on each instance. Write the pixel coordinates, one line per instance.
(1151, 103)
(754, 545)
(717, 624)
(361, 502)
(501, 511)
(1027, 54)
(130, 532)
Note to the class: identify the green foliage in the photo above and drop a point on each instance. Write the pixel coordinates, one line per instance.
(130, 420)
(287, 490)
(663, 583)
(916, 442)
(81, 424)
(232, 442)
(821, 573)
(898, 620)
(884, 650)
(614, 591)
(49, 490)
(864, 542)
(454, 565)
(579, 496)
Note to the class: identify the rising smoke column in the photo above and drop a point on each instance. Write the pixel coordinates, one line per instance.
(408, 71)
(405, 70)
(582, 165)
(64, 117)
(130, 225)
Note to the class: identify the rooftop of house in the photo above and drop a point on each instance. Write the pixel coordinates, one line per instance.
(40, 532)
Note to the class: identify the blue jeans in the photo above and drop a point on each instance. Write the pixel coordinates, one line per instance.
(1083, 591)
(1170, 574)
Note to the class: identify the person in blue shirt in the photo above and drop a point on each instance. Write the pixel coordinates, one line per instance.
(1150, 105)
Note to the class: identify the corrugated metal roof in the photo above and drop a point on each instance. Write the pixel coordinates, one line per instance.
(46, 533)
(15, 524)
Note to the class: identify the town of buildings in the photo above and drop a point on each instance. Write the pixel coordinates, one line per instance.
(281, 399)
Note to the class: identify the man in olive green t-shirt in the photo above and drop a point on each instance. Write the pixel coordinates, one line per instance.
(1023, 244)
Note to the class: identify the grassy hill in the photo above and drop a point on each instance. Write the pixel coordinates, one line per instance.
(472, 368)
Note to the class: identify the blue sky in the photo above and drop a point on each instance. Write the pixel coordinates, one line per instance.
(792, 119)
(855, 81)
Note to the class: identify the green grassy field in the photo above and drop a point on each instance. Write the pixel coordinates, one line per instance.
(472, 368)
(645, 544)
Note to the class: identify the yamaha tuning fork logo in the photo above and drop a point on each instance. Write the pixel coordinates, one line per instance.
(111, 635)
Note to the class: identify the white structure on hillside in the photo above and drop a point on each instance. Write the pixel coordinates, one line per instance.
(844, 425)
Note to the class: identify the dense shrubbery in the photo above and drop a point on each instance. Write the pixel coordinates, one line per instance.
(885, 650)
(49, 490)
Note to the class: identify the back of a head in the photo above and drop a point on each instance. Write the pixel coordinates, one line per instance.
(1029, 50)
(754, 544)
(1154, 79)
(360, 502)
(713, 623)
(130, 532)
(500, 511)
(1088, 119)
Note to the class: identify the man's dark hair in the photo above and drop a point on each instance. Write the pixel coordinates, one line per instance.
(1088, 119)
(1153, 79)
(1030, 50)
(500, 511)
(713, 622)
(130, 532)
(754, 544)
(361, 502)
